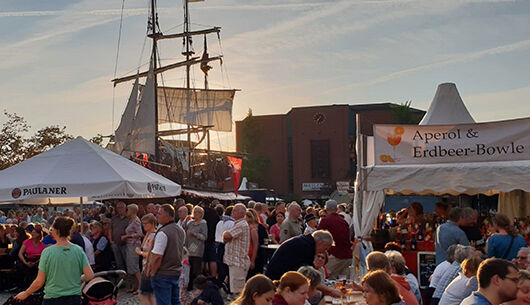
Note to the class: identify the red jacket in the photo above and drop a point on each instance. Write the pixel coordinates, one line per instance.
(339, 229)
(404, 289)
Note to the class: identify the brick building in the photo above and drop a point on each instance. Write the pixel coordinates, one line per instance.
(309, 149)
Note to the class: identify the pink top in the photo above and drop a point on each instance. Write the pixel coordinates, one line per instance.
(275, 231)
(33, 252)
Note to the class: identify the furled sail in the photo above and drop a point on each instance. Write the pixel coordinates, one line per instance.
(142, 135)
(207, 107)
(126, 123)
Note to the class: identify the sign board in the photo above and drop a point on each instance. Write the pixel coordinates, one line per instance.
(426, 266)
(430, 144)
(343, 186)
(313, 186)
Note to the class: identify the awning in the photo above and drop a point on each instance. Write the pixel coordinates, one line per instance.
(214, 195)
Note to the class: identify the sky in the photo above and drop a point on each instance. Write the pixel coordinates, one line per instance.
(58, 56)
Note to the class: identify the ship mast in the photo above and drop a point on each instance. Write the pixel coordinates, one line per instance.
(188, 53)
(154, 22)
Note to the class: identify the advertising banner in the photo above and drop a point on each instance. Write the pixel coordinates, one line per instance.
(430, 144)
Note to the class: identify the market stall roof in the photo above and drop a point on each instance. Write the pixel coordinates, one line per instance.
(214, 195)
(447, 108)
(452, 178)
(79, 168)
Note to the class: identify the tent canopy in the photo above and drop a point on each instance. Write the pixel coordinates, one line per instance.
(79, 168)
(447, 108)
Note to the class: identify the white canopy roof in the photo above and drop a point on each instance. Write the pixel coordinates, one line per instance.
(447, 108)
(79, 168)
(451, 178)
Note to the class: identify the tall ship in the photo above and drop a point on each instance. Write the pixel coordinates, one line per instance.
(169, 129)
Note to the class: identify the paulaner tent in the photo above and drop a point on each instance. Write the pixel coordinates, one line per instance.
(80, 169)
(458, 157)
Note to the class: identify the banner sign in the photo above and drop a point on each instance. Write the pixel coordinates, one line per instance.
(236, 164)
(415, 144)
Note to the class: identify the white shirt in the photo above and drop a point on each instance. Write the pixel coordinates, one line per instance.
(438, 272)
(160, 243)
(89, 251)
(347, 217)
(221, 227)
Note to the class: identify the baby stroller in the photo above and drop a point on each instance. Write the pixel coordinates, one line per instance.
(103, 288)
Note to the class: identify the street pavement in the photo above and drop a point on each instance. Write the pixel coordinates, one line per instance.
(124, 298)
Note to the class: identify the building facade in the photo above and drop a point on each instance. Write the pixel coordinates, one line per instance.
(310, 149)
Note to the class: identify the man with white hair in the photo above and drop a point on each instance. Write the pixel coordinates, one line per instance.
(340, 255)
(237, 243)
(292, 226)
(522, 261)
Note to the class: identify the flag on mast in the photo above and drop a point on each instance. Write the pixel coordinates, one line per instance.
(236, 164)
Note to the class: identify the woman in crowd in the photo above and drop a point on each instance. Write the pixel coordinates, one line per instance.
(197, 232)
(147, 296)
(506, 242)
(523, 291)
(379, 289)
(464, 284)
(320, 261)
(29, 255)
(133, 239)
(293, 289)
(60, 269)
(252, 221)
(258, 290)
(315, 280)
(102, 248)
(275, 229)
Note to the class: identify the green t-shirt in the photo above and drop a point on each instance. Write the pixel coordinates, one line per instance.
(63, 267)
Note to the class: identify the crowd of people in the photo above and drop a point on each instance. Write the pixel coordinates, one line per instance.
(204, 254)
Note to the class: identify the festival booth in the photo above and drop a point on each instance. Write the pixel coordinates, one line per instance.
(448, 153)
(82, 170)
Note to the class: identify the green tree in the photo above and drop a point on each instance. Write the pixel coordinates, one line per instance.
(403, 113)
(12, 141)
(16, 145)
(254, 164)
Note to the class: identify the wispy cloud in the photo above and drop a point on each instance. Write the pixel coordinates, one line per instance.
(455, 59)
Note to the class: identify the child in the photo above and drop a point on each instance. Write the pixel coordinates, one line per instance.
(258, 290)
(209, 292)
(184, 279)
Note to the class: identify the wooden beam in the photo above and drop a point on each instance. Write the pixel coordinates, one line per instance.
(160, 36)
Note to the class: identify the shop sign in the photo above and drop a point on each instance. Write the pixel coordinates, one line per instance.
(415, 144)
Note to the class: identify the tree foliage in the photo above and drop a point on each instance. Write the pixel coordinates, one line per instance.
(254, 164)
(403, 113)
(16, 145)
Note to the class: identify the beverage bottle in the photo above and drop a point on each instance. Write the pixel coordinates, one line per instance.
(413, 243)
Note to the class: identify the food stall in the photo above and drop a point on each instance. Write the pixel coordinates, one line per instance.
(448, 153)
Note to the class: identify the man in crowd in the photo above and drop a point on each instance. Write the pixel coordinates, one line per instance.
(471, 228)
(280, 207)
(223, 225)
(461, 253)
(297, 252)
(340, 255)
(165, 261)
(292, 226)
(119, 223)
(237, 243)
(209, 256)
(522, 261)
(497, 283)
(378, 261)
(150, 209)
(442, 209)
(449, 233)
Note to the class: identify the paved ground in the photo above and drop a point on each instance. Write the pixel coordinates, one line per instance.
(123, 298)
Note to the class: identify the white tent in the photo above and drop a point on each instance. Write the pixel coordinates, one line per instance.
(443, 178)
(80, 169)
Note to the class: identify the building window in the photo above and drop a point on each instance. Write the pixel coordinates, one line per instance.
(320, 159)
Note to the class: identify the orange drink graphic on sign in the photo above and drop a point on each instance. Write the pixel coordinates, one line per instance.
(393, 140)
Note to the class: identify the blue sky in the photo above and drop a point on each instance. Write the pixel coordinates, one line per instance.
(58, 56)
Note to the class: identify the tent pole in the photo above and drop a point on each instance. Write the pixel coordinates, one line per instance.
(81, 220)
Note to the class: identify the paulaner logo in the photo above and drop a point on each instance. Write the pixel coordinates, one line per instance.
(153, 187)
(43, 191)
(16, 193)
